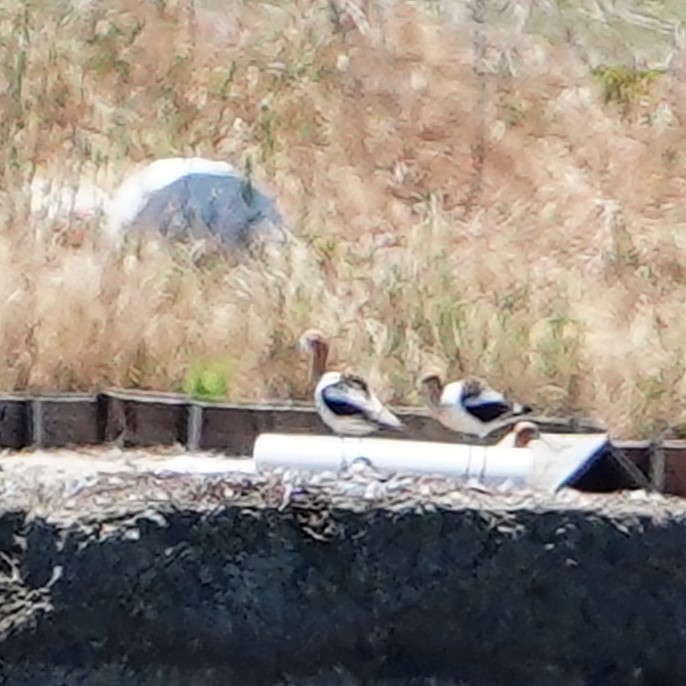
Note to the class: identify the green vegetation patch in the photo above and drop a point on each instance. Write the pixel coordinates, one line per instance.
(209, 379)
(623, 85)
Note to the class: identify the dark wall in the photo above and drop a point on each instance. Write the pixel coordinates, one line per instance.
(242, 593)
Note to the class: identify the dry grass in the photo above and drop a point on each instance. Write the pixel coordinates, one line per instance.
(462, 194)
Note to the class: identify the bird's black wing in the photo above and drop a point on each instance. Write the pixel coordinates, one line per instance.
(488, 411)
(347, 397)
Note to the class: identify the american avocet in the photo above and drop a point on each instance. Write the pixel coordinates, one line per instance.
(344, 400)
(468, 406)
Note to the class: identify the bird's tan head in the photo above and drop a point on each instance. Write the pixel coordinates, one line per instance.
(431, 384)
(311, 339)
(473, 386)
(524, 433)
(314, 343)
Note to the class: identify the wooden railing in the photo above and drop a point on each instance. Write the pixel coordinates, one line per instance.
(146, 419)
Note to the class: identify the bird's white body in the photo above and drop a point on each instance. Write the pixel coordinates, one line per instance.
(349, 408)
(474, 414)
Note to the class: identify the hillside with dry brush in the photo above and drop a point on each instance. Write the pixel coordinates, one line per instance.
(497, 189)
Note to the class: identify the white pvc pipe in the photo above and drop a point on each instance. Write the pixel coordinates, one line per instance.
(488, 464)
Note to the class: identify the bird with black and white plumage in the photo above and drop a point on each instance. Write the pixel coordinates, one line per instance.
(344, 400)
(468, 406)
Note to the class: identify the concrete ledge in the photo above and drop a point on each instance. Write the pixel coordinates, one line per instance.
(250, 579)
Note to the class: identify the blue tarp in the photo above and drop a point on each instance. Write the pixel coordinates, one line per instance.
(201, 204)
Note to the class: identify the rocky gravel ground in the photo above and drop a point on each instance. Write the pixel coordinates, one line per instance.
(52, 482)
(124, 567)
